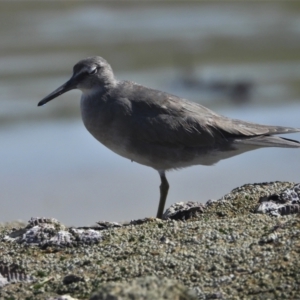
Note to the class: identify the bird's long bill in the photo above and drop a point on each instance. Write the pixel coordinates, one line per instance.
(69, 85)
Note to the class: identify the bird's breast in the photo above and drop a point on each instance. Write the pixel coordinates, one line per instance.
(103, 121)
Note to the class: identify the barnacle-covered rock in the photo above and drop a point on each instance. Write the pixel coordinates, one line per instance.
(244, 200)
(106, 225)
(44, 232)
(147, 288)
(3, 281)
(183, 210)
(63, 297)
(13, 273)
(142, 221)
(225, 252)
(72, 278)
(86, 236)
(284, 202)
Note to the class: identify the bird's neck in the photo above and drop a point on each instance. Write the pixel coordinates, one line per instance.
(99, 91)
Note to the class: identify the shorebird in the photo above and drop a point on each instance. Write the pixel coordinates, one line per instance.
(157, 129)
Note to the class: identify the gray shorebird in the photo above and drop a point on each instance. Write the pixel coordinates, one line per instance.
(157, 129)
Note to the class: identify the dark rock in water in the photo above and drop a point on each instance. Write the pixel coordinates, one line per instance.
(239, 90)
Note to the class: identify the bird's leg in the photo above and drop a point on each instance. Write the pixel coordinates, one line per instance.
(164, 188)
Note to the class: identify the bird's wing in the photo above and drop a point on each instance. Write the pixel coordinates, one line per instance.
(164, 119)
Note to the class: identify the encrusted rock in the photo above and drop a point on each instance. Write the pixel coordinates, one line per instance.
(284, 202)
(13, 273)
(44, 232)
(183, 210)
(146, 288)
(107, 225)
(63, 297)
(225, 252)
(72, 278)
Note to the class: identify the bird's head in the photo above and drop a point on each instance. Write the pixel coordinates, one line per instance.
(90, 75)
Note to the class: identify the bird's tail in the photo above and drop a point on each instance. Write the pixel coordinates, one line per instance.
(269, 141)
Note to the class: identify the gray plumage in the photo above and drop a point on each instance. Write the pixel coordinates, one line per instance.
(157, 129)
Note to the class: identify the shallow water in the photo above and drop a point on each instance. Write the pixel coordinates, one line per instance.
(50, 166)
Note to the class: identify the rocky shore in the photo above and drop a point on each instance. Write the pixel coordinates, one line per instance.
(245, 245)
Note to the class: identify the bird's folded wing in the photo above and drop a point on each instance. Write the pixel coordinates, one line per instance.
(164, 119)
(192, 125)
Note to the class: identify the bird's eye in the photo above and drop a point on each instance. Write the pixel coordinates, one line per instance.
(93, 71)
